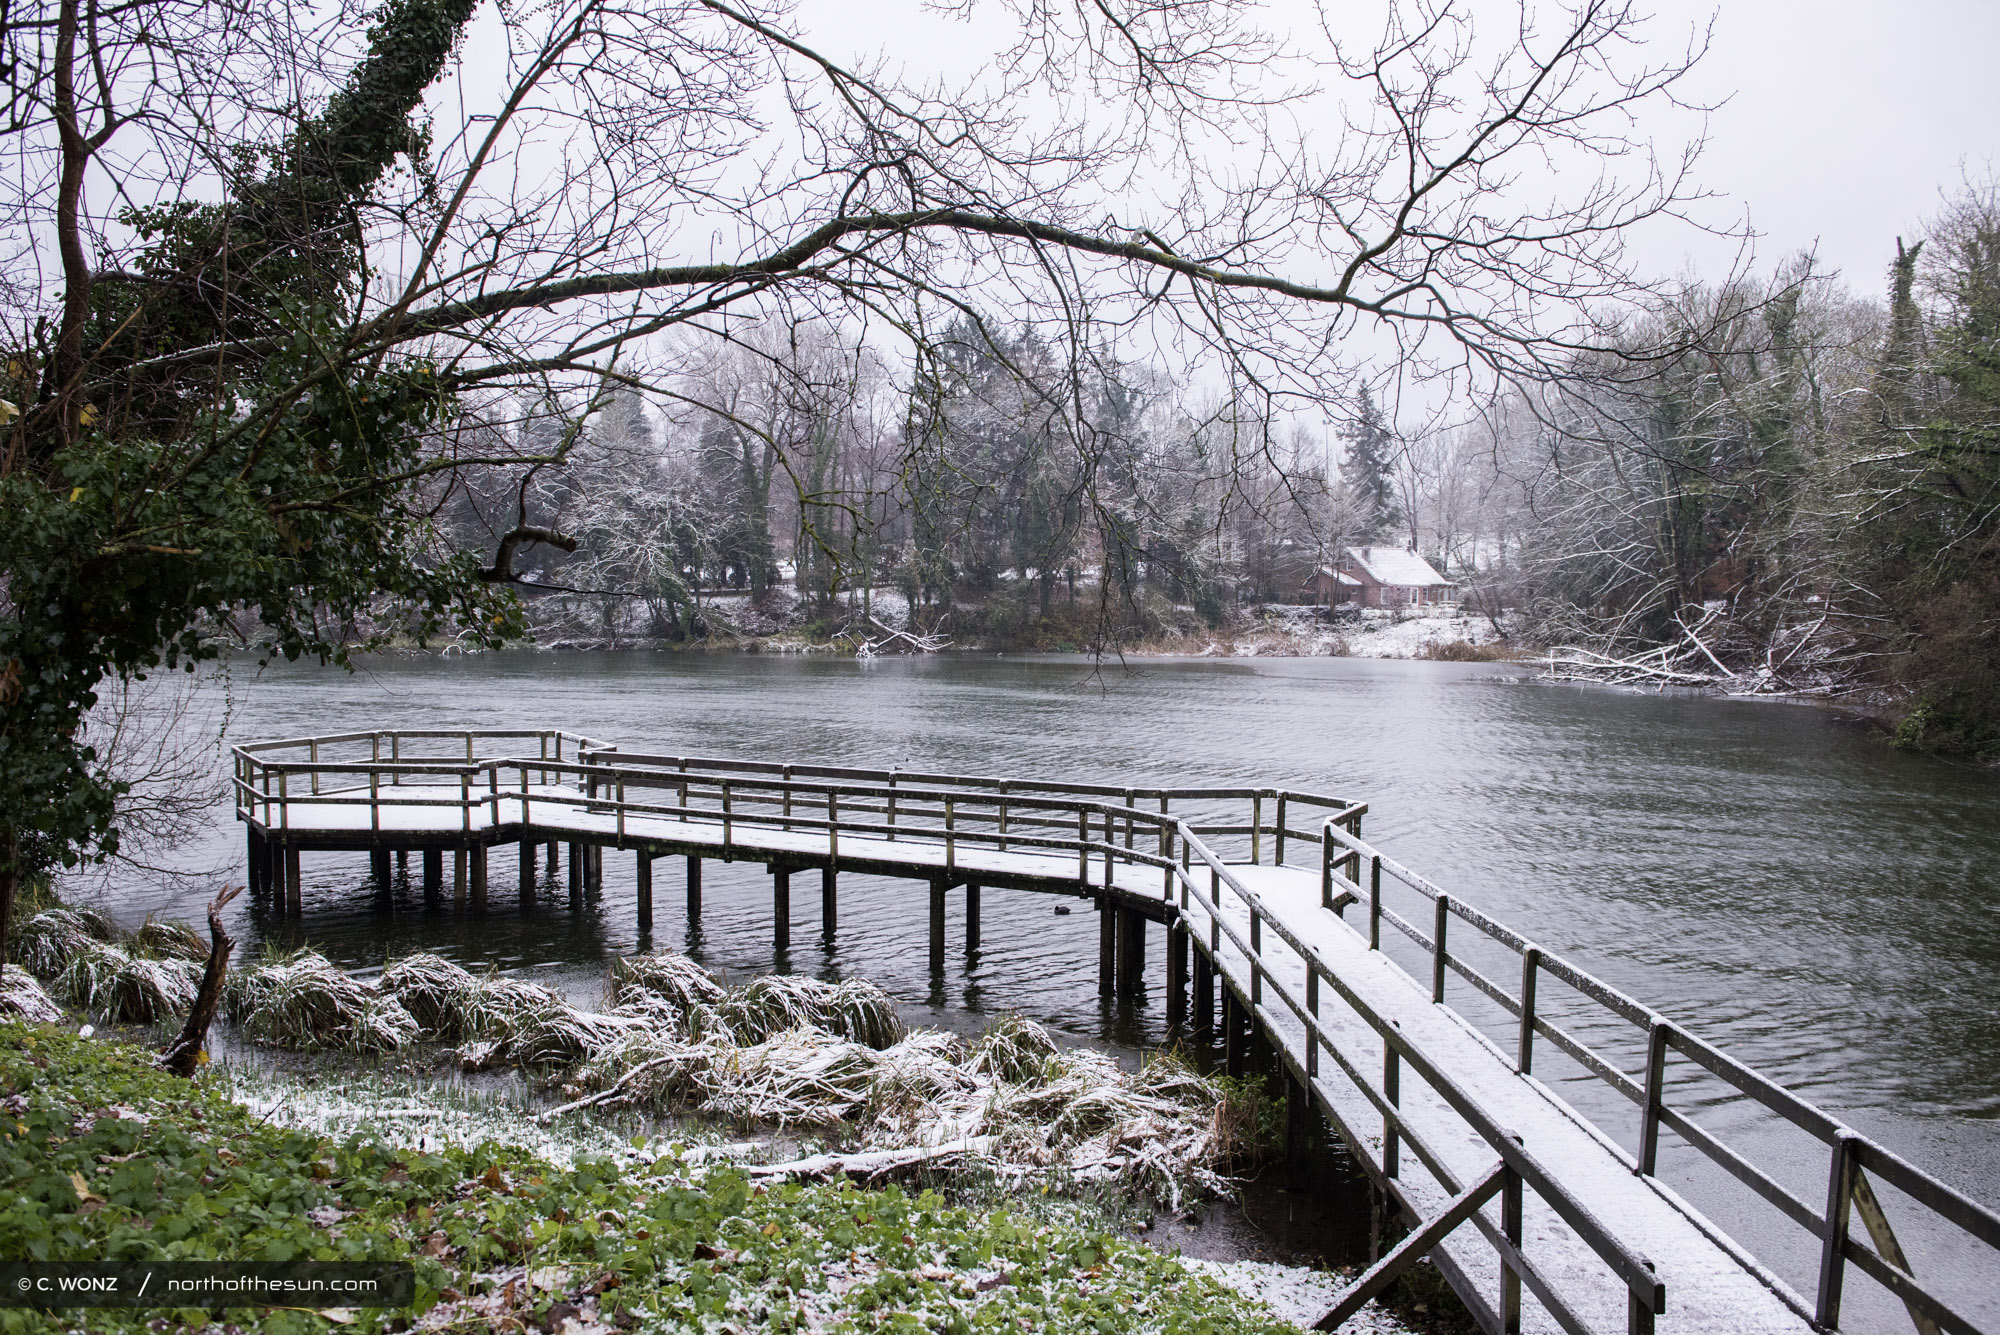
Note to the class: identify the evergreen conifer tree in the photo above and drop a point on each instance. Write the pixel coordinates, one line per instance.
(1366, 468)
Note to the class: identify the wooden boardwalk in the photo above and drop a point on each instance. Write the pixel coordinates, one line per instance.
(1537, 1216)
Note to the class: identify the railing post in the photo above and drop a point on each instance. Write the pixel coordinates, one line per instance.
(1524, 1048)
(1003, 815)
(1375, 902)
(1256, 826)
(621, 809)
(832, 828)
(1082, 847)
(786, 822)
(1440, 919)
(1256, 958)
(1110, 843)
(892, 808)
(1326, 867)
(464, 808)
(315, 760)
(950, 835)
(1656, 1077)
(1278, 858)
(726, 824)
(375, 801)
(1833, 1238)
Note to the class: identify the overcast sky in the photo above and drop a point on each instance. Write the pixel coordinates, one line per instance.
(1847, 117)
(1840, 121)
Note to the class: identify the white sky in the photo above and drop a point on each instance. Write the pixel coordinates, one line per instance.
(1842, 120)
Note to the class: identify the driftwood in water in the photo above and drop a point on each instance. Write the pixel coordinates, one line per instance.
(873, 1165)
(183, 1055)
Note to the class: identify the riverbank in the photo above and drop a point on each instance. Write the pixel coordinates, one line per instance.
(109, 1158)
(779, 625)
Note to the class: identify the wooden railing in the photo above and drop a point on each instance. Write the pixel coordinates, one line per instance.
(1851, 1155)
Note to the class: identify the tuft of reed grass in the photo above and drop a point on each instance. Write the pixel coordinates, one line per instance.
(116, 987)
(304, 1003)
(667, 990)
(433, 990)
(856, 1010)
(168, 940)
(800, 1077)
(47, 942)
(1015, 1050)
(22, 995)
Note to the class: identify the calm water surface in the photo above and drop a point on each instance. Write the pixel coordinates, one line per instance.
(1820, 905)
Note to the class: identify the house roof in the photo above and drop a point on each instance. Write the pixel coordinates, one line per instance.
(1338, 578)
(1393, 565)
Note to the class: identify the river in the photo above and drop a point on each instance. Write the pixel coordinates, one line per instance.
(1822, 906)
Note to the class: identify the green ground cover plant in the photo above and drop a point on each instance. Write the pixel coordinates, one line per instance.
(104, 1157)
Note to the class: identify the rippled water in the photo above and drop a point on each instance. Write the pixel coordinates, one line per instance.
(1822, 906)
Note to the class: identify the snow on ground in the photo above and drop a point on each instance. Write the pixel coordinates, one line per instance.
(1307, 632)
(1296, 1294)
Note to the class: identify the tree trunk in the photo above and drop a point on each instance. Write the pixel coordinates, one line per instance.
(10, 880)
(183, 1055)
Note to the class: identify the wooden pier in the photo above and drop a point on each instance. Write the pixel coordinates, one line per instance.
(1539, 1218)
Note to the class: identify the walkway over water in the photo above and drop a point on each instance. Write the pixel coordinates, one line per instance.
(1540, 1218)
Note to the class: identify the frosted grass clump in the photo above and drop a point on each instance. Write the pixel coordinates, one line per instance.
(1015, 1050)
(49, 941)
(304, 1003)
(433, 990)
(856, 1010)
(22, 995)
(801, 1077)
(168, 940)
(665, 984)
(117, 987)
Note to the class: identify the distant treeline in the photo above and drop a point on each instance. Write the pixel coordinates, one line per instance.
(1777, 481)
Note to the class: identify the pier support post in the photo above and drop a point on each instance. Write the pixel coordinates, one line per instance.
(972, 917)
(1235, 1039)
(694, 888)
(479, 878)
(1299, 1128)
(458, 869)
(294, 895)
(402, 862)
(378, 866)
(1204, 997)
(829, 904)
(433, 871)
(1177, 962)
(781, 906)
(575, 875)
(256, 863)
(937, 926)
(1107, 947)
(1131, 953)
(553, 859)
(593, 867)
(527, 874)
(643, 870)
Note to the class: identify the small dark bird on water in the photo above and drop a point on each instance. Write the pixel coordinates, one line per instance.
(1061, 912)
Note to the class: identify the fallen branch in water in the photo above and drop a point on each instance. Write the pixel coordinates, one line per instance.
(873, 1165)
(183, 1055)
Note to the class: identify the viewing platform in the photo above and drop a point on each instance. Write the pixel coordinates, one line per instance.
(1537, 1215)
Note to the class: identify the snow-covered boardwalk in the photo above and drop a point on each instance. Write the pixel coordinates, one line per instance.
(1541, 1219)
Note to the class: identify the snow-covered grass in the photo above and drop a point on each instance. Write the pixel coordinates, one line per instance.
(1285, 631)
